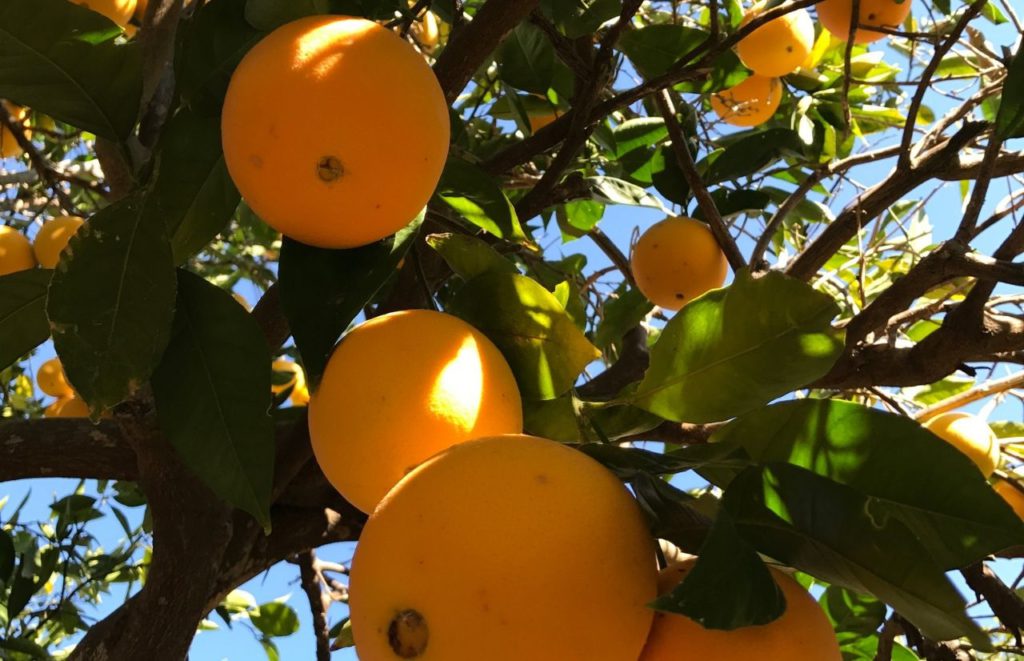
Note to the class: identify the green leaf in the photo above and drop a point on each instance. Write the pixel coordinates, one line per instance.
(610, 190)
(622, 311)
(1010, 117)
(735, 349)
(24, 646)
(323, 290)
(545, 349)
(30, 579)
(469, 256)
(852, 611)
(940, 390)
(344, 637)
(269, 14)
(670, 512)
(577, 18)
(61, 59)
(858, 647)
(1007, 428)
(210, 46)
(275, 619)
(212, 393)
(111, 302)
(526, 60)
(893, 461)
(478, 198)
(628, 463)
(638, 132)
(734, 202)
(23, 324)
(192, 193)
(7, 557)
(752, 153)
(729, 586)
(836, 534)
(655, 48)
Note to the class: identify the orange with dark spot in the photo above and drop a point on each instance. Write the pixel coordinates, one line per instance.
(835, 16)
(677, 260)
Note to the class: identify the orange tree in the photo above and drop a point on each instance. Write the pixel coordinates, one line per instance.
(793, 393)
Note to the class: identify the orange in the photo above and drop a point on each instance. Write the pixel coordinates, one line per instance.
(400, 388)
(9, 147)
(803, 633)
(67, 407)
(539, 120)
(1013, 496)
(677, 260)
(52, 380)
(778, 47)
(286, 375)
(367, 152)
(508, 548)
(835, 17)
(299, 395)
(15, 251)
(52, 238)
(119, 11)
(426, 31)
(750, 103)
(969, 434)
(140, 10)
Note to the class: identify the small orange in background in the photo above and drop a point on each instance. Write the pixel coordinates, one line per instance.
(51, 379)
(802, 633)
(299, 395)
(119, 11)
(835, 16)
(365, 154)
(52, 239)
(9, 147)
(1012, 494)
(778, 47)
(750, 103)
(969, 434)
(676, 260)
(539, 120)
(510, 548)
(15, 251)
(68, 407)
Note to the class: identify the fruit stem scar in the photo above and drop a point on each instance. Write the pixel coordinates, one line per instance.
(408, 634)
(329, 168)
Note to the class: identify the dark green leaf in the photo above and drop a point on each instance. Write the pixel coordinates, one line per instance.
(753, 341)
(896, 463)
(24, 646)
(851, 611)
(626, 463)
(621, 312)
(323, 290)
(382, 9)
(469, 256)
(192, 193)
(655, 48)
(752, 153)
(734, 202)
(23, 324)
(61, 59)
(212, 393)
(111, 302)
(478, 198)
(7, 557)
(526, 60)
(670, 512)
(1010, 118)
(577, 18)
(275, 619)
(545, 349)
(30, 579)
(639, 132)
(269, 14)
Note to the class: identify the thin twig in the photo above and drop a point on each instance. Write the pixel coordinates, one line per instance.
(978, 392)
(317, 605)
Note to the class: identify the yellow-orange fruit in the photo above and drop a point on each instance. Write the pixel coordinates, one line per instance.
(282, 368)
(365, 155)
(400, 388)
(750, 103)
(67, 407)
(52, 239)
(505, 549)
(15, 251)
(802, 633)
(300, 393)
(969, 434)
(778, 47)
(140, 10)
(9, 147)
(676, 260)
(539, 120)
(1013, 496)
(241, 301)
(51, 379)
(119, 11)
(835, 16)
(427, 31)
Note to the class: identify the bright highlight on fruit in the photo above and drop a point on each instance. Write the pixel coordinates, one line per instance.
(969, 434)
(368, 150)
(51, 379)
(400, 388)
(835, 16)
(802, 633)
(750, 103)
(119, 11)
(778, 47)
(52, 239)
(15, 251)
(505, 549)
(677, 260)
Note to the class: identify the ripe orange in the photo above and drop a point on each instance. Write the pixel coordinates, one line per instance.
(400, 388)
(299, 395)
(803, 633)
(835, 16)
(15, 251)
(778, 47)
(51, 379)
(368, 150)
(969, 434)
(508, 548)
(1013, 496)
(426, 31)
(67, 407)
(52, 239)
(9, 147)
(750, 103)
(119, 11)
(677, 260)
(539, 120)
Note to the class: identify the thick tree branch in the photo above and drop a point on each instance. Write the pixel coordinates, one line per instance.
(69, 447)
(1005, 603)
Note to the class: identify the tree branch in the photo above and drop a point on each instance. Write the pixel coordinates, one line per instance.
(317, 606)
(70, 447)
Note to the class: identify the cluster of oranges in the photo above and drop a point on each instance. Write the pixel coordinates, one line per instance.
(17, 253)
(784, 45)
